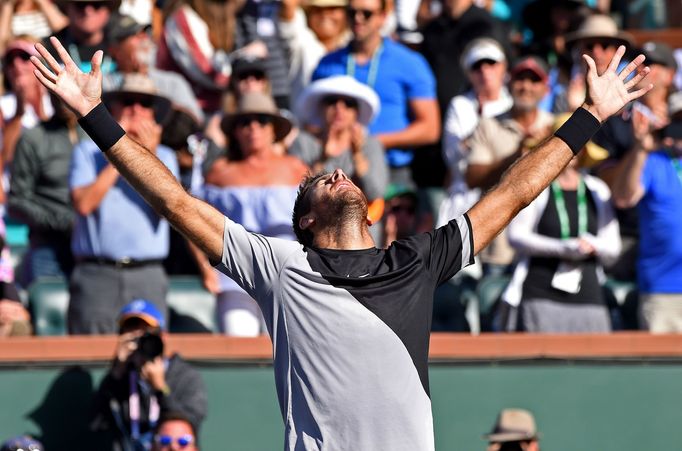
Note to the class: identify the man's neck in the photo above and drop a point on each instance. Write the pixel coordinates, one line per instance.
(364, 50)
(525, 118)
(348, 238)
(84, 38)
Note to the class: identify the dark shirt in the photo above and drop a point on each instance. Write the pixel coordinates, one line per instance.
(538, 283)
(39, 193)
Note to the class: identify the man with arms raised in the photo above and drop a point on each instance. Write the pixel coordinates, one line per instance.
(349, 322)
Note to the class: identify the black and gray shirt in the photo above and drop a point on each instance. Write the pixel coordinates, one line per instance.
(350, 332)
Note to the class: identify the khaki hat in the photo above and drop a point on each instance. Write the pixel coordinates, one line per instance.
(513, 425)
(139, 86)
(257, 103)
(593, 153)
(325, 4)
(601, 27)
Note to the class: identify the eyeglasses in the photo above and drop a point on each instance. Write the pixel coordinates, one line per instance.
(366, 14)
(245, 121)
(349, 102)
(167, 440)
(142, 101)
(94, 5)
(478, 65)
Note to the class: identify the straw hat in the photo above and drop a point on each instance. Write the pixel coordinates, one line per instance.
(257, 103)
(141, 87)
(601, 27)
(310, 107)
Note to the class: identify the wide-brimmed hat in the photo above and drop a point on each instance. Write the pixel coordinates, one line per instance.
(141, 87)
(601, 27)
(513, 425)
(310, 106)
(593, 153)
(482, 49)
(258, 103)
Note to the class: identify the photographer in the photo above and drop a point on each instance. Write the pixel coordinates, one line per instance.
(514, 430)
(142, 384)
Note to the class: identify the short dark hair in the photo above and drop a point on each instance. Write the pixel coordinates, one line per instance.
(174, 415)
(302, 207)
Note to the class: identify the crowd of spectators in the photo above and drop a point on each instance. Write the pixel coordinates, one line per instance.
(424, 104)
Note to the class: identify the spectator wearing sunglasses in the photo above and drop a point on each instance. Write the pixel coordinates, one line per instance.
(119, 241)
(175, 433)
(341, 108)
(25, 103)
(255, 185)
(86, 31)
(409, 115)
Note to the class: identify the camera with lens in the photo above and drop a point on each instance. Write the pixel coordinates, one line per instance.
(149, 346)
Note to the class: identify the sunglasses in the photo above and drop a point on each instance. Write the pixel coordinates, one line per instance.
(9, 59)
(182, 441)
(591, 45)
(143, 102)
(245, 121)
(349, 102)
(94, 5)
(403, 209)
(479, 64)
(366, 14)
(251, 74)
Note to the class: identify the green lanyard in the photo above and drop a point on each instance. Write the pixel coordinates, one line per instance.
(676, 164)
(373, 66)
(563, 214)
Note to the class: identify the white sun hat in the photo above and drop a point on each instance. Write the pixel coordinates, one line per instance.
(309, 107)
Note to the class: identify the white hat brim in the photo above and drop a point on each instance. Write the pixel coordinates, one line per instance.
(309, 107)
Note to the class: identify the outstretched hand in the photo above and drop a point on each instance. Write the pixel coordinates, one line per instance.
(81, 92)
(609, 92)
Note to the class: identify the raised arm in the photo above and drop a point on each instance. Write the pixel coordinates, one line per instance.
(524, 180)
(81, 92)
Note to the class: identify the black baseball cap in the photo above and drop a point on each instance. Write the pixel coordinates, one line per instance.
(122, 27)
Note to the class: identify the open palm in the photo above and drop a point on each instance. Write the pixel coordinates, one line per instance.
(609, 92)
(79, 91)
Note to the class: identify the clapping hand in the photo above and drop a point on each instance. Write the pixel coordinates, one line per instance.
(81, 92)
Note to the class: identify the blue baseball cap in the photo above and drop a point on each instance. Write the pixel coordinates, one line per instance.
(143, 309)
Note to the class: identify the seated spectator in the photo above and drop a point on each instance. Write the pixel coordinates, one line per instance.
(255, 187)
(132, 49)
(341, 108)
(174, 433)
(143, 384)
(39, 194)
(39, 18)
(486, 67)
(14, 318)
(563, 238)
(312, 32)
(498, 142)
(400, 213)
(514, 430)
(119, 242)
(26, 102)
(86, 32)
(22, 443)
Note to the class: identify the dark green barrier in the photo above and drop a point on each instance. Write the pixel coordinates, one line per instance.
(579, 406)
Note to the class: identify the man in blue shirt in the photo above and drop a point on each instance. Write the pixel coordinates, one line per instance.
(118, 241)
(650, 177)
(409, 115)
